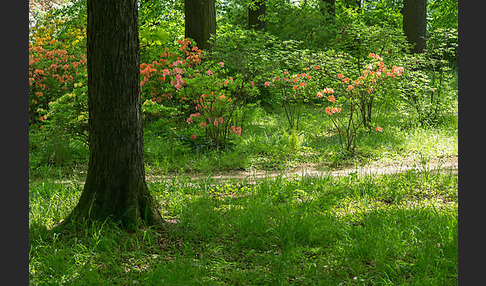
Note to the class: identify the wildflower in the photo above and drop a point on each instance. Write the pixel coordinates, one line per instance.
(215, 123)
(319, 94)
(295, 87)
(225, 82)
(340, 75)
(345, 79)
(267, 83)
(221, 64)
(220, 119)
(303, 84)
(203, 124)
(317, 67)
(328, 90)
(379, 129)
(350, 87)
(189, 120)
(209, 72)
(193, 137)
(331, 98)
(286, 72)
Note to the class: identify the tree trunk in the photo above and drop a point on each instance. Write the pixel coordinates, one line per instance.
(200, 21)
(256, 9)
(115, 185)
(415, 23)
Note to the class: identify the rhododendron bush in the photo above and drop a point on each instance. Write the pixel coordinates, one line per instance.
(293, 93)
(356, 100)
(187, 91)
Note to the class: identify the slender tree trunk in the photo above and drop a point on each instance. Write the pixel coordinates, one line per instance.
(415, 23)
(200, 21)
(115, 185)
(256, 10)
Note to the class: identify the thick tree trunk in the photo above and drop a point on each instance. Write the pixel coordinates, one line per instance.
(200, 21)
(115, 185)
(256, 9)
(415, 23)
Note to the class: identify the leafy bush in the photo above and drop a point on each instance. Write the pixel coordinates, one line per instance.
(357, 98)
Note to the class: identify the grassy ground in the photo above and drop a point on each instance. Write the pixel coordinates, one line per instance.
(399, 229)
(384, 230)
(265, 145)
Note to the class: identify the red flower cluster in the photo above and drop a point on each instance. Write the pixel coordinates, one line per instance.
(236, 130)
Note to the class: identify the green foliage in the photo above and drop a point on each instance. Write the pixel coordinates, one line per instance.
(68, 114)
(442, 14)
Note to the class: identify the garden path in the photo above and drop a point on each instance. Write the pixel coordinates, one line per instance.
(445, 165)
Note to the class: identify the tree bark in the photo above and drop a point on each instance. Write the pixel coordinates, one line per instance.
(415, 23)
(256, 10)
(200, 21)
(115, 185)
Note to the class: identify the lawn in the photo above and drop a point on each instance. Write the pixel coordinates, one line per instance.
(399, 229)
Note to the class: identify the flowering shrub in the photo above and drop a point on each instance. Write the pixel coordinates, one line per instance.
(190, 87)
(293, 93)
(54, 67)
(215, 115)
(358, 97)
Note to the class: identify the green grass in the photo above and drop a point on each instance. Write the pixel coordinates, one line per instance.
(397, 229)
(267, 145)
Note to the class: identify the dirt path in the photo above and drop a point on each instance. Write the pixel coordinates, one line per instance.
(445, 165)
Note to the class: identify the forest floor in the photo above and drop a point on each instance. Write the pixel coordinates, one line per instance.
(448, 164)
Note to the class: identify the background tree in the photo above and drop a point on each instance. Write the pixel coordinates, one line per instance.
(200, 21)
(115, 185)
(415, 23)
(257, 10)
